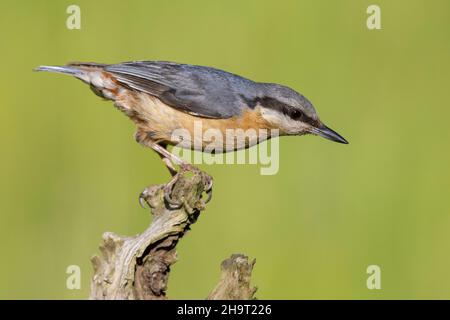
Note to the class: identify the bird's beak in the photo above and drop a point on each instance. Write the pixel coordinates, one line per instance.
(328, 133)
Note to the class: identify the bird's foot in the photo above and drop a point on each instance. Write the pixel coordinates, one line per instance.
(184, 169)
(172, 196)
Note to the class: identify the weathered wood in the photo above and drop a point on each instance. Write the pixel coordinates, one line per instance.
(138, 267)
(234, 282)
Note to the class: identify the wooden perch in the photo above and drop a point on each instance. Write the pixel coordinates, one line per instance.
(234, 282)
(137, 268)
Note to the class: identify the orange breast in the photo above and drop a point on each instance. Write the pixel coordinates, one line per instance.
(161, 123)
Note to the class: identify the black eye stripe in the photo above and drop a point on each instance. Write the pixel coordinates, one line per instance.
(274, 104)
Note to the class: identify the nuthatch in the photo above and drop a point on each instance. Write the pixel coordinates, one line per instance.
(161, 97)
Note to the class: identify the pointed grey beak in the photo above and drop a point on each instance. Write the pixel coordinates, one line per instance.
(329, 134)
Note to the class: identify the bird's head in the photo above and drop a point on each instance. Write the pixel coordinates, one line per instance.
(292, 113)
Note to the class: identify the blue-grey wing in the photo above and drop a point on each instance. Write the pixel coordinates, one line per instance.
(202, 91)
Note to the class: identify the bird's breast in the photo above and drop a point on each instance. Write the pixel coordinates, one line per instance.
(160, 122)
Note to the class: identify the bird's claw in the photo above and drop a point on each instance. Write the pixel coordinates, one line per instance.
(208, 188)
(143, 197)
(142, 201)
(168, 188)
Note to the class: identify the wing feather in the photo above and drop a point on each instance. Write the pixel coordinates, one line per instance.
(197, 90)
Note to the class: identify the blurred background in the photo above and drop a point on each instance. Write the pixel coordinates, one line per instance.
(71, 170)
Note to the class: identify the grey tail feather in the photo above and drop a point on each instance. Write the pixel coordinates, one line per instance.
(58, 69)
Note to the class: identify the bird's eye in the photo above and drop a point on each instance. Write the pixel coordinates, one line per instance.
(296, 114)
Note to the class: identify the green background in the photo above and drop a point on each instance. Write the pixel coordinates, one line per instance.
(71, 170)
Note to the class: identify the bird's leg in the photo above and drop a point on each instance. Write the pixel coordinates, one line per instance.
(169, 164)
(170, 160)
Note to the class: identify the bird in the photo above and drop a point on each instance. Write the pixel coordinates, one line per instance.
(161, 97)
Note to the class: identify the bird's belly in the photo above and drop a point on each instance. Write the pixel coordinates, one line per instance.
(161, 123)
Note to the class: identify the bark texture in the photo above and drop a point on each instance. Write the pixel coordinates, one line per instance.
(138, 267)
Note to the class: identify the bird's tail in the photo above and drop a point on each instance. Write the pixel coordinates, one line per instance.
(101, 82)
(71, 70)
(77, 69)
